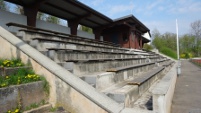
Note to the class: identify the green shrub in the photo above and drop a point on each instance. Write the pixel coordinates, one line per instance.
(147, 47)
(186, 55)
(11, 63)
(169, 52)
(21, 77)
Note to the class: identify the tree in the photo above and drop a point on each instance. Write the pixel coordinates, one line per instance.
(147, 47)
(196, 31)
(170, 40)
(19, 9)
(196, 28)
(52, 19)
(40, 16)
(86, 29)
(4, 5)
(156, 42)
(165, 43)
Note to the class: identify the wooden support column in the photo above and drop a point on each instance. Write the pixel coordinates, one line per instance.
(73, 24)
(130, 38)
(97, 33)
(31, 13)
(140, 42)
(136, 41)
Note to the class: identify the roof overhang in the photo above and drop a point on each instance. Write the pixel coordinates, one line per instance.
(147, 36)
(132, 21)
(69, 10)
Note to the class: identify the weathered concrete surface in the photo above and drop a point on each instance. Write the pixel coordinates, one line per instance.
(187, 94)
(65, 88)
(11, 70)
(163, 92)
(131, 110)
(25, 94)
(42, 109)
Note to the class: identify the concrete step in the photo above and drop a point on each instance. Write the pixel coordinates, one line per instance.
(80, 68)
(30, 34)
(68, 55)
(100, 80)
(42, 43)
(127, 93)
(73, 54)
(87, 66)
(103, 80)
(123, 93)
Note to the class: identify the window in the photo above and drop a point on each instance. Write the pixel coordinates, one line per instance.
(125, 37)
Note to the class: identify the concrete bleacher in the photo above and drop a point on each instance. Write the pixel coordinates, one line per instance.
(121, 74)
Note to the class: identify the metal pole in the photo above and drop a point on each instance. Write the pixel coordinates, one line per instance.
(177, 40)
(179, 63)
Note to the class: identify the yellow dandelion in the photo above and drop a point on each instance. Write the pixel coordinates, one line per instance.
(7, 77)
(17, 111)
(29, 76)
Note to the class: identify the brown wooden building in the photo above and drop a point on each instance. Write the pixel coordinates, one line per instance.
(127, 32)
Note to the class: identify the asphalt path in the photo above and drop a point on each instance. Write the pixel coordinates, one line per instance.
(187, 95)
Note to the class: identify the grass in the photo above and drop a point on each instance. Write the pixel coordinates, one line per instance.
(17, 110)
(46, 86)
(21, 77)
(53, 109)
(169, 52)
(11, 63)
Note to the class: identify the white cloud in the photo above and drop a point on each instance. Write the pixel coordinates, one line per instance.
(185, 6)
(154, 4)
(161, 8)
(169, 26)
(97, 2)
(117, 9)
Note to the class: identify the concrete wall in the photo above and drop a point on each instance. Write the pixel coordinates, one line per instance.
(66, 89)
(6, 17)
(25, 94)
(164, 91)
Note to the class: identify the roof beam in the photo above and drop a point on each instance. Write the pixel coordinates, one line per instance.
(80, 17)
(88, 9)
(94, 22)
(76, 15)
(61, 9)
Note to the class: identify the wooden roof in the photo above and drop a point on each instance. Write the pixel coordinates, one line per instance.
(69, 10)
(73, 9)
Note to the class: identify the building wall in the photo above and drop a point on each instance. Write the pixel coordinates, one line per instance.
(120, 33)
(127, 37)
(6, 17)
(137, 42)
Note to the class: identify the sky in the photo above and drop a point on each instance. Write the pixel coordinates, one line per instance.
(155, 14)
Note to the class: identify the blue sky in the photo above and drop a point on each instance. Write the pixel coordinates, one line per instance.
(155, 14)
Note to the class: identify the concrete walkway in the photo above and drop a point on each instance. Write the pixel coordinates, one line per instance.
(187, 96)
